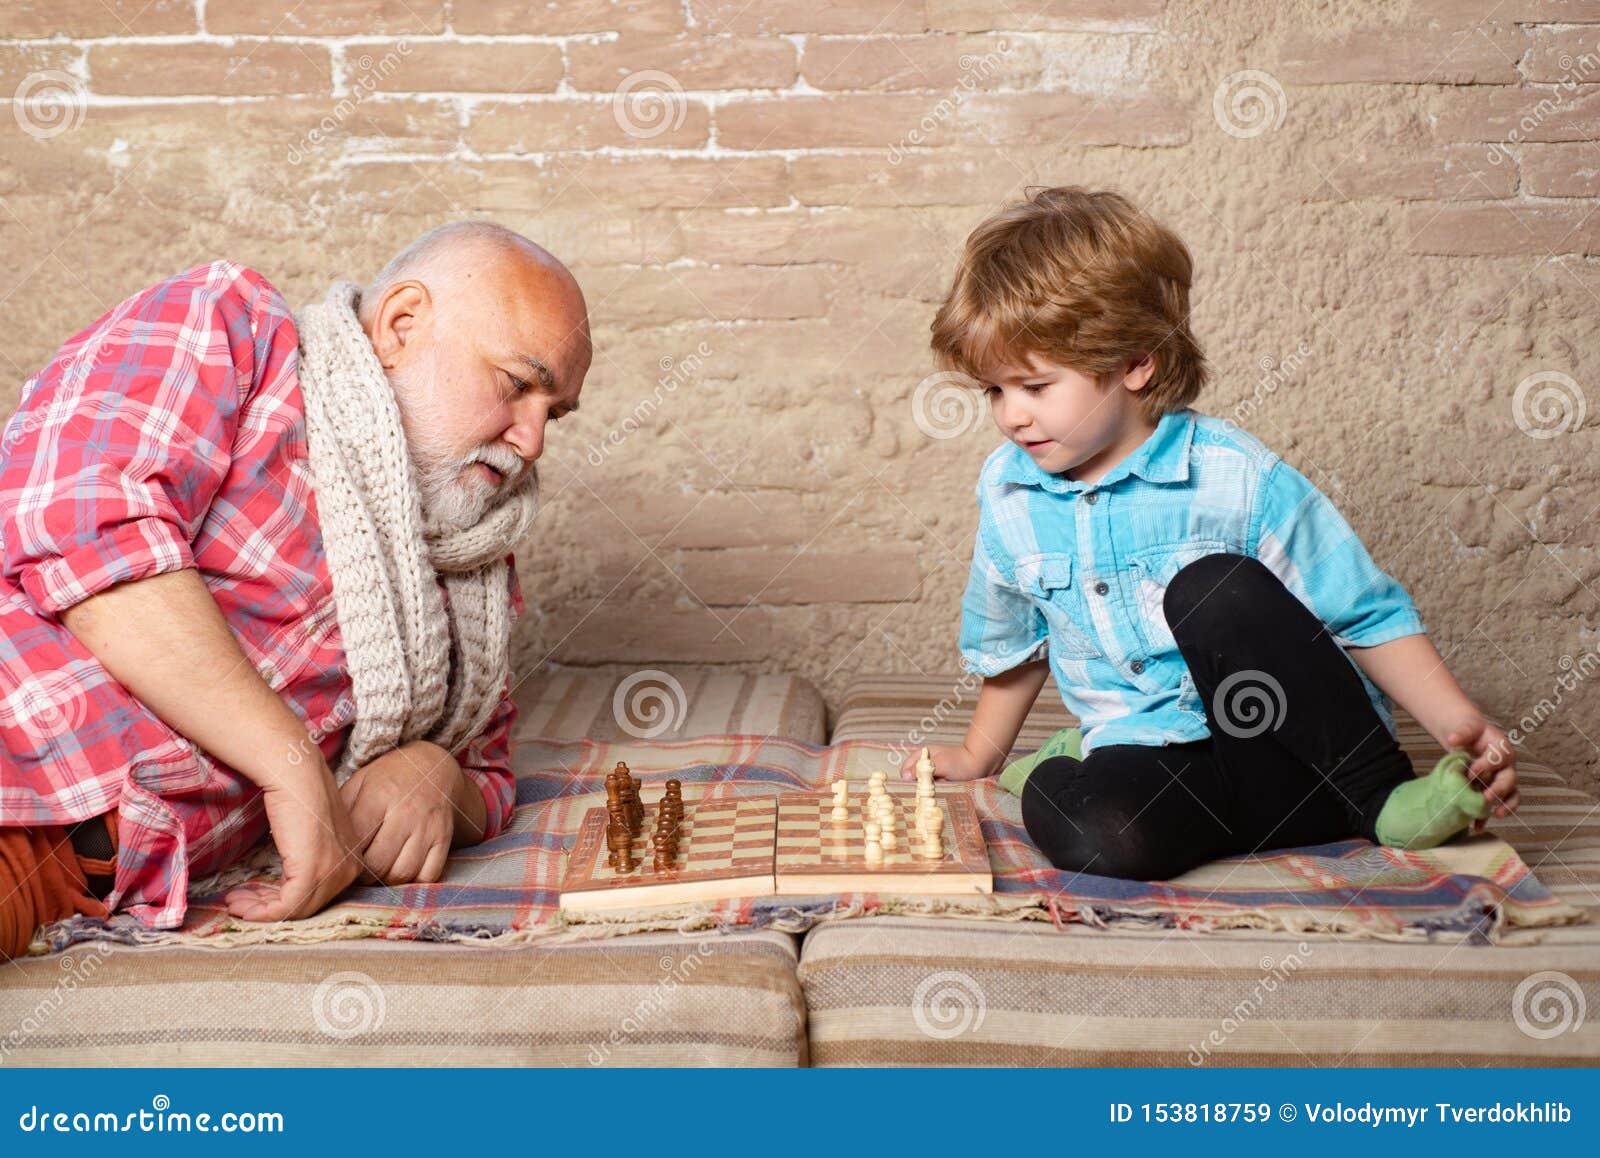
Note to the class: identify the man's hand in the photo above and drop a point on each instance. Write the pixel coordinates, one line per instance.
(408, 807)
(312, 830)
(1494, 764)
(950, 762)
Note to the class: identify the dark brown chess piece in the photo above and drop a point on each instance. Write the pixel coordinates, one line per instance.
(619, 840)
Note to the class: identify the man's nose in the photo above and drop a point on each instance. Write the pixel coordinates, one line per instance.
(525, 435)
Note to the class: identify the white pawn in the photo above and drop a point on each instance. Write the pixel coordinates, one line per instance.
(870, 830)
(841, 799)
(874, 852)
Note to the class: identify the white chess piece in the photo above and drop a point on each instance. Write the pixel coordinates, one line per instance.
(870, 830)
(841, 799)
(886, 838)
(924, 773)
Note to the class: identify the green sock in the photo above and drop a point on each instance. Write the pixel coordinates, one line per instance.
(1067, 742)
(1431, 809)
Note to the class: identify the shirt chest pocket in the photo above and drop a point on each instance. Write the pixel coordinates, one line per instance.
(1155, 569)
(1048, 581)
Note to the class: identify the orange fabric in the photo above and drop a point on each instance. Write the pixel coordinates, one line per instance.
(43, 880)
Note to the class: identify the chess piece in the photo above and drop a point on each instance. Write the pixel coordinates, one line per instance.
(619, 838)
(886, 838)
(628, 790)
(924, 774)
(841, 799)
(873, 852)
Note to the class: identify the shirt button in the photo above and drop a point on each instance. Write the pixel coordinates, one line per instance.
(1092, 497)
(1137, 666)
(1101, 587)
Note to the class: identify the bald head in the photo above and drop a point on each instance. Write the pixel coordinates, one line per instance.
(484, 337)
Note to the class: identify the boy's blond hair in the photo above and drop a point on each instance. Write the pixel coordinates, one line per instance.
(1083, 279)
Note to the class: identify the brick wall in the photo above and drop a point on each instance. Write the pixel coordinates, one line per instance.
(1392, 207)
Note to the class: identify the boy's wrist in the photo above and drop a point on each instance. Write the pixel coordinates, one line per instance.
(988, 760)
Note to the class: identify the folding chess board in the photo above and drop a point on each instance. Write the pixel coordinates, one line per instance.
(788, 845)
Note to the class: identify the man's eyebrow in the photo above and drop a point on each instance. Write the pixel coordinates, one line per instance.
(546, 378)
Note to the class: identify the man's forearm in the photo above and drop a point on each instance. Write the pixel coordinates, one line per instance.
(164, 639)
(1410, 671)
(1003, 704)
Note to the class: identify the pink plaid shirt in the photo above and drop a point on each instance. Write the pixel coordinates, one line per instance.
(170, 434)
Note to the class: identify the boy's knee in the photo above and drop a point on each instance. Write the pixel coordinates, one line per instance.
(1214, 586)
(1095, 833)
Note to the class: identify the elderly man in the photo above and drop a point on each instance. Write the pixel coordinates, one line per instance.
(256, 575)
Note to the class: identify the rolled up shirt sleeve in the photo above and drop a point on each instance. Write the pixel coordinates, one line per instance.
(1000, 626)
(110, 465)
(1306, 542)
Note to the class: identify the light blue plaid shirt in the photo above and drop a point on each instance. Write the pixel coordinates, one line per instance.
(1077, 571)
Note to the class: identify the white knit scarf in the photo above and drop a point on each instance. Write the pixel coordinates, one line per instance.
(423, 665)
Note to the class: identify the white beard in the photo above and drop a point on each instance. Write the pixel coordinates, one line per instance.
(448, 498)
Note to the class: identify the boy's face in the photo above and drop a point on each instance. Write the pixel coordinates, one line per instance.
(1064, 418)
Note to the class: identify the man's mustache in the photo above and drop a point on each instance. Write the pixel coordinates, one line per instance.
(503, 459)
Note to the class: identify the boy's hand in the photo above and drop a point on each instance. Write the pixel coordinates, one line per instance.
(312, 830)
(950, 762)
(1494, 764)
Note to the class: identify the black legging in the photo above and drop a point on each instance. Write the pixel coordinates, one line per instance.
(1316, 768)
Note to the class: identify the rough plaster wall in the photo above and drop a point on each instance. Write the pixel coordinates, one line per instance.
(1392, 213)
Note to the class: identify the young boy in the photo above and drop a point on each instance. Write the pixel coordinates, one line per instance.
(1219, 630)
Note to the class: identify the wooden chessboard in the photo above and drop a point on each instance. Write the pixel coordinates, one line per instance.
(816, 854)
(724, 851)
(764, 846)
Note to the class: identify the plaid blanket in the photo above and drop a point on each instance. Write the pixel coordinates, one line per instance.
(506, 890)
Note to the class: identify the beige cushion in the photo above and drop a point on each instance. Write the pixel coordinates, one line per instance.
(915, 991)
(646, 1000)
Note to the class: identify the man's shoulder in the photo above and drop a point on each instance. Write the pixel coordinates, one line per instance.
(223, 283)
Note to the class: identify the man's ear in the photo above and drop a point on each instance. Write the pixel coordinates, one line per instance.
(1140, 372)
(403, 307)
